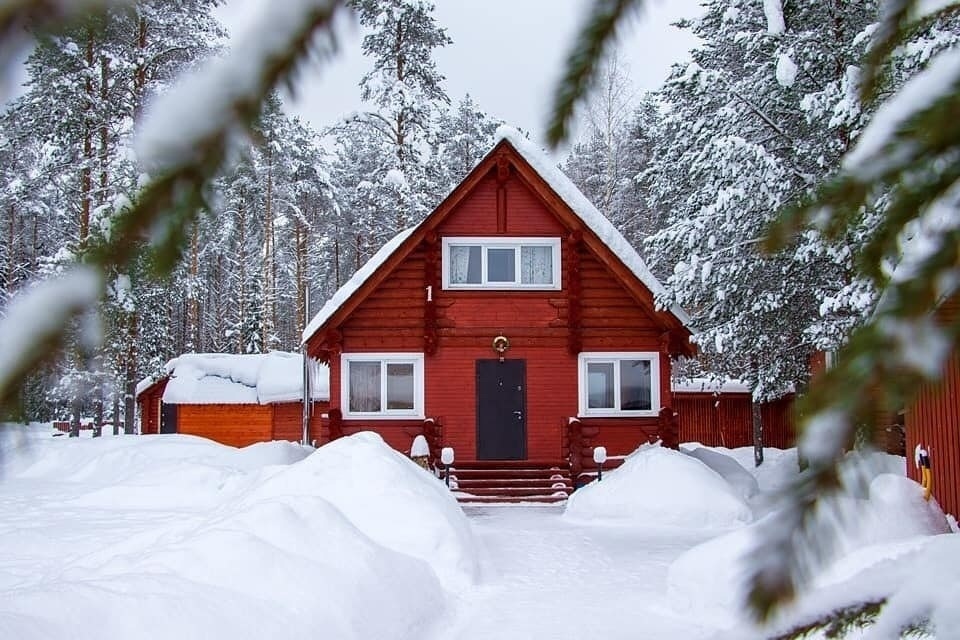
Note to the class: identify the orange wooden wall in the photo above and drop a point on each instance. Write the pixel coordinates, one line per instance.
(237, 425)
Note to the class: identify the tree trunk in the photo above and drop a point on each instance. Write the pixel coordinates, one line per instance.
(116, 414)
(336, 263)
(242, 279)
(140, 73)
(9, 272)
(269, 261)
(76, 407)
(193, 302)
(86, 177)
(757, 433)
(130, 382)
(301, 274)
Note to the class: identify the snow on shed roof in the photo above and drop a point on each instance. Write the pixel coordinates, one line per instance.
(568, 192)
(220, 378)
(709, 385)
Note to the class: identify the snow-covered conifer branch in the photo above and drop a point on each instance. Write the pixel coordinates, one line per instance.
(185, 141)
(36, 320)
(909, 154)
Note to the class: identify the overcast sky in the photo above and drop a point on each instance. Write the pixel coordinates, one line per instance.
(506, 53)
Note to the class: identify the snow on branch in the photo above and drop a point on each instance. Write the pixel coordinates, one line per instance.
(217, 101)
(773, 9)
(35, 320)
(19, 17)
(185, 141)
(873, 156)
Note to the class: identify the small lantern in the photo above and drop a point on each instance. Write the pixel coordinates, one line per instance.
(446, 459)
(500, 345)
(600, 457)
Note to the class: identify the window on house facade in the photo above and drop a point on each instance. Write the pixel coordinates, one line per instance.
(384, 385)
(619, 384)
(501, 263)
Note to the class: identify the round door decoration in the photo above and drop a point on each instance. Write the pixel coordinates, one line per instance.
(500, 345)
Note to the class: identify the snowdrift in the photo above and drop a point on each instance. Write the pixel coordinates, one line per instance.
(388, 497)
(179, 537)
(742, 482)
(658, 486)
(709, 579)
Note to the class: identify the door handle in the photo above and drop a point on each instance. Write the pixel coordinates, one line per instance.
(519, 414)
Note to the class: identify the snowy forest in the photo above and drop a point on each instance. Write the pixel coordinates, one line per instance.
(693, 174)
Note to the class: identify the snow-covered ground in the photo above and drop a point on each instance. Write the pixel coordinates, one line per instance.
(179, 537)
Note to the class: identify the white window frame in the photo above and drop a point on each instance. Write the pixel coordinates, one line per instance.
(615, 357)
(416, 359)
(516, 243)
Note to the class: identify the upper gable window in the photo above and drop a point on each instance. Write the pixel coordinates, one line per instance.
(501, 263)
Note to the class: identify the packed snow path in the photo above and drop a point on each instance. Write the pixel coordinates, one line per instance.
(546, 577)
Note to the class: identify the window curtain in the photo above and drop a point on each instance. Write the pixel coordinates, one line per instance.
(364, 386)
(536, 265)
(465, 264)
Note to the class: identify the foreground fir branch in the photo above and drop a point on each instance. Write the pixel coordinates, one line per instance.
(584, 62)
(186, 140)
(910, 153)
(839, 623)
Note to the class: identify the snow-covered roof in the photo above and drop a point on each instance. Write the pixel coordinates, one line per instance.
(591, 216)
(355, 282)
(709, 385)
(220, 378)
(568, 192)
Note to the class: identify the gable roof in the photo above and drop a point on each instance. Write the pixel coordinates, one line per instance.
(560, 190)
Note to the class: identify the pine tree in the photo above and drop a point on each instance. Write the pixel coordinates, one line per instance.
(460, 139)
(748, 130)
(405, 88)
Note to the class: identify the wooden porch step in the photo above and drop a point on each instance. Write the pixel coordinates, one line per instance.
(546, 483)
(514, 491)
(534, 463)
(512, 481)
(545, 499)
(516, 474)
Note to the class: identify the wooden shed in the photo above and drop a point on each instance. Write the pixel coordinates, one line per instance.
(515, 324)
(233, 399)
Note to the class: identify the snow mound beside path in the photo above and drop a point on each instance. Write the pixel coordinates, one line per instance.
(710, 579)
(388, 497)
(741, 480)
(179, 537)
(659, 486)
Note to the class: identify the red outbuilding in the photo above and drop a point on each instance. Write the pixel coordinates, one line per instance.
(233, 399)
(515, 324)
(933, 425)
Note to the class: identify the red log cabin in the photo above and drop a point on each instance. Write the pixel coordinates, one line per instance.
(514, 324)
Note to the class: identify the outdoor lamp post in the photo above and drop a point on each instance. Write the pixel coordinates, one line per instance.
(599, 456)
(446, 459)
